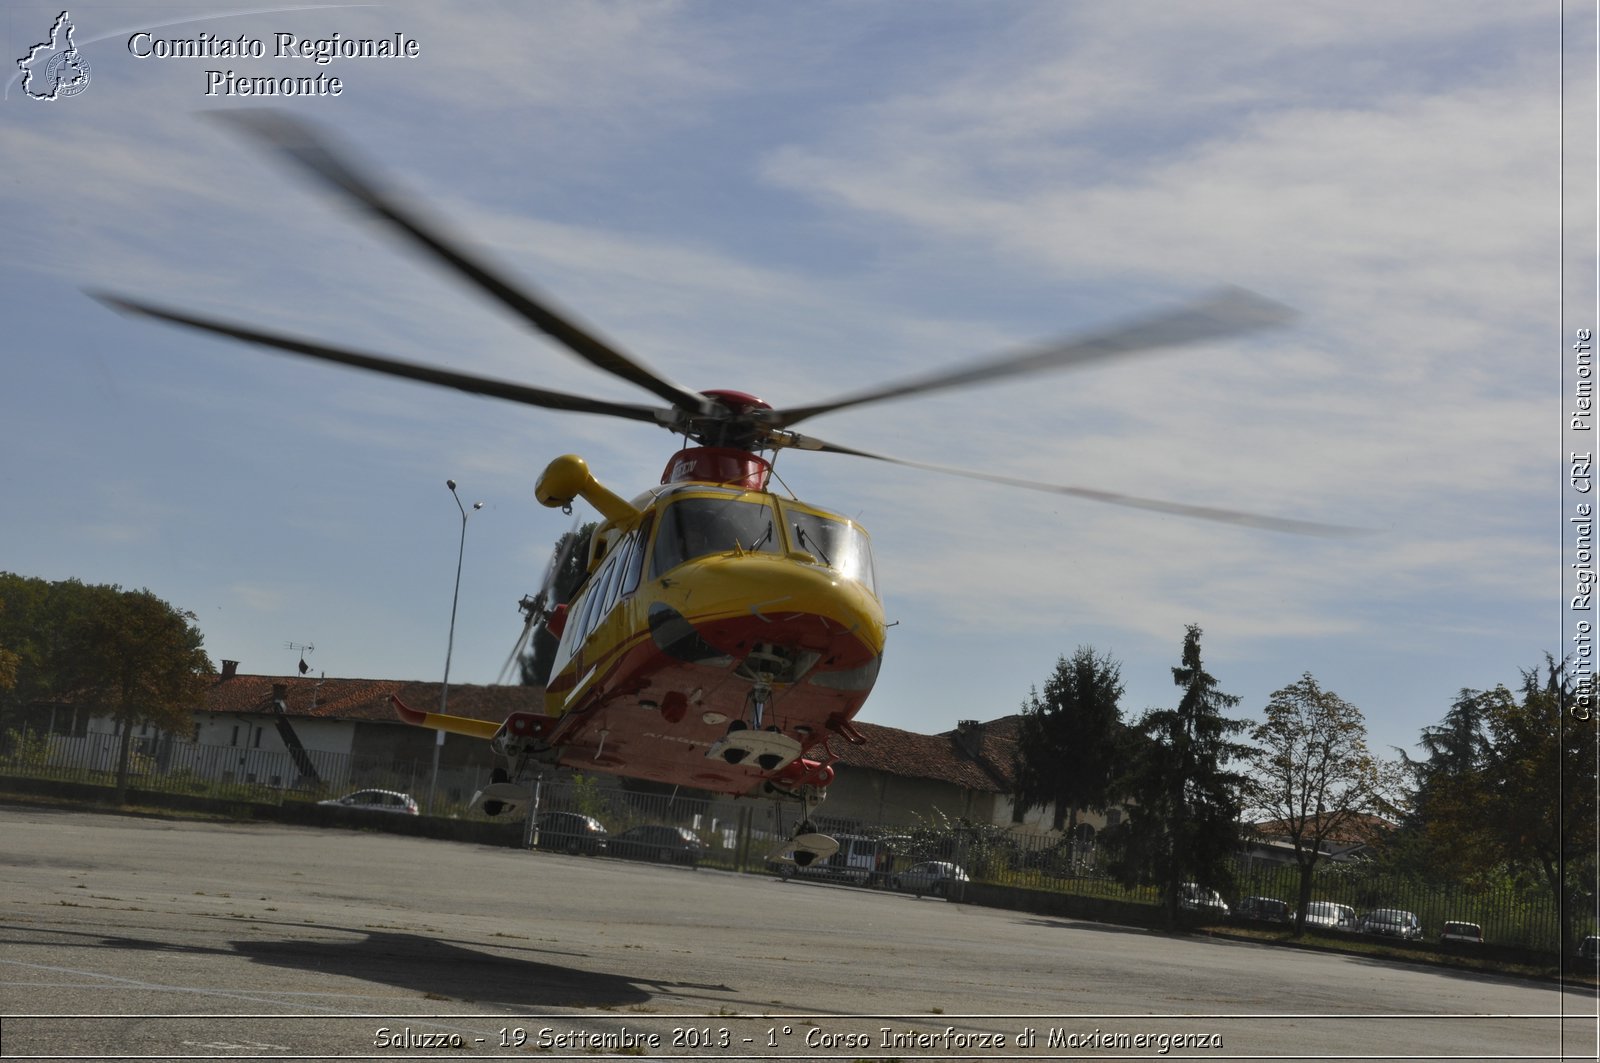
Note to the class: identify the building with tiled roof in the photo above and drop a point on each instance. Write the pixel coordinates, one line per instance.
(1270, 841)
(901, 778)
(363, 699)
(303, 733)
(299, 732)
(291, 730)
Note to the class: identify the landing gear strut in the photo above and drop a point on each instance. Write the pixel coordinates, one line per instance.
(806, 846)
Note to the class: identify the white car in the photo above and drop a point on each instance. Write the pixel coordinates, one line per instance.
(1325, 915)
(930, 876)
(377, 801)
(1193, 897)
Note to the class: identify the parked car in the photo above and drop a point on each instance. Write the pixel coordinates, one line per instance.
(930, 876)
(1325, 915)
(1266, 909)
(377, 801)
(1468, 932)
(1393, 923)
(1589, 950)
(655, 841)
(1192, 897)
(570, 832)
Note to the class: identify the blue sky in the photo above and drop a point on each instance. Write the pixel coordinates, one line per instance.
(797, 201)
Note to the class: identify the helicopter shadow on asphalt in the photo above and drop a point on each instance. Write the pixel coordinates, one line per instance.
(431, 967)
(441, 968)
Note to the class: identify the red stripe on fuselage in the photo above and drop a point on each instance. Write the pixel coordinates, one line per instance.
(623, 699)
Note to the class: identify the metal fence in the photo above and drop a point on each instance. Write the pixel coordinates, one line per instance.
(236, 773)
(741, 834)
(1514, 917)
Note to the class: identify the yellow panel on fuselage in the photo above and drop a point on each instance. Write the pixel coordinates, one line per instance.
(746, 584)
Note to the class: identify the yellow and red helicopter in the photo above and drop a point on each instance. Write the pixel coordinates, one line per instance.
(725, 636)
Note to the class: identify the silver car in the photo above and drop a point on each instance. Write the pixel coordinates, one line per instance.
(377, 801)
(931, 876)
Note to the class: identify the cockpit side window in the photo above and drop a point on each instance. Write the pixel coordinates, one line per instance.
(695, 527)
(838, 544)
(635, 569)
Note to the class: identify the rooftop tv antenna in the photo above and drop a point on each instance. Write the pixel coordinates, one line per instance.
(302, 650)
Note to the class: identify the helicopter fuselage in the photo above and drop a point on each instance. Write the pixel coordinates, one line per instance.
(710, 609)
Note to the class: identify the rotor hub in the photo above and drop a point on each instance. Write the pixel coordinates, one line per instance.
(718, 465)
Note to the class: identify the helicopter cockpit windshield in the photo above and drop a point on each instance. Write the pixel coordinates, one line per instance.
(838, 544)
(695, 527)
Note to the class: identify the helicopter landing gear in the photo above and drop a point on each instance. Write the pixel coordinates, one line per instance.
(771, 749)
(492, 807)
(502, 795)
(509, 790)
(760, 694)
(807, 846)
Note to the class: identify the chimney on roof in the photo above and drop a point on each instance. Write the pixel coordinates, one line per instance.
(280, 698)
(230, 669)
(969, 738)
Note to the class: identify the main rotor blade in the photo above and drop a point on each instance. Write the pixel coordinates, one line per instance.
(1210, 513)
(427, 374)
(1227, 312)
(301, 143)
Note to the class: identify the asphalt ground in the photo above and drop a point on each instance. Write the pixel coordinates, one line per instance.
(124, 937)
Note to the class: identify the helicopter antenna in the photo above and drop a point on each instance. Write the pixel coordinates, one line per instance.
(781, 480)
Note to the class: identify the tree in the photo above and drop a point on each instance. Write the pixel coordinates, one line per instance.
(1528, 804)
(1069, 741)
(1183, 821)
(1315, 779)
(1456, 747)
(8, 662)
(31, 630)
(569, 560)
(1458, 743)
(127, 653)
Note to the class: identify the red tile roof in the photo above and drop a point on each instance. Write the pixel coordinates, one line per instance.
(1358, 829)
(941, 757)
(366, 699)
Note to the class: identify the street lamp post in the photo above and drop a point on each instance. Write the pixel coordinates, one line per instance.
(450, 645)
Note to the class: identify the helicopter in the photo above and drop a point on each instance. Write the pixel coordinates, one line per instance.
(724, 635)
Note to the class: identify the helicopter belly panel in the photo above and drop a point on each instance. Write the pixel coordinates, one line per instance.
(652, 714)
(729, 642)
